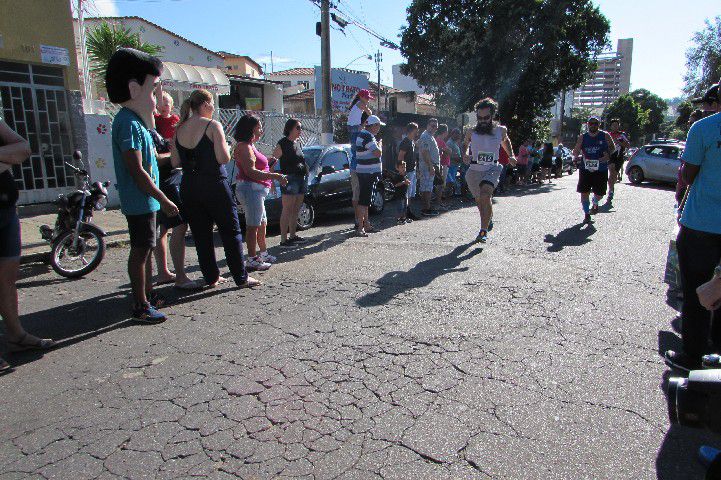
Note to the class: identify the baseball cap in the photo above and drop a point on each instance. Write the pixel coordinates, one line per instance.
(366, 94)
(372, 120)
(710, 96)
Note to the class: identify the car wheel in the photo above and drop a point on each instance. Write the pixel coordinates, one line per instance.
(635, 174)
(378, 202)
(306, 216)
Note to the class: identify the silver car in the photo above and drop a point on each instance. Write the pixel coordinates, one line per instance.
(655, 162)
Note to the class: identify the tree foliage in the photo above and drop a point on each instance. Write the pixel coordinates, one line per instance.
(655, 106)
(520, 52)
(105, 40)
(703, 59)
(633, 118)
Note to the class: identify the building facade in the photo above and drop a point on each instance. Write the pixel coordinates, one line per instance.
(611, 79)
(241, 65)
(40, 94)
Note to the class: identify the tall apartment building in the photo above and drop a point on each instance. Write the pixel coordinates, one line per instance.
(611, 79)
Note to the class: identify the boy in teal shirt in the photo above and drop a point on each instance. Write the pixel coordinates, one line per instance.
(133, 80)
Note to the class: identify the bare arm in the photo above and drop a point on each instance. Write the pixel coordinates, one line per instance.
(508, 147)
(220, 145)
(689, 172)
(174, 157)
(245, 159)
(164, 158)
(577, 148)
(611, 147)
(134, 162)
(16, 149)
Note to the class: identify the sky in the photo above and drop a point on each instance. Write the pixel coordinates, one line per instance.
(661, 29)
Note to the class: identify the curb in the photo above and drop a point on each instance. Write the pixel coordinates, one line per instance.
(44, 257)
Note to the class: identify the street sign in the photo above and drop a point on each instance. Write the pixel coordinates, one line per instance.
(344, 86)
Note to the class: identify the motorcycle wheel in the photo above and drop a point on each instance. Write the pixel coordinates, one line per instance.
(73, 263)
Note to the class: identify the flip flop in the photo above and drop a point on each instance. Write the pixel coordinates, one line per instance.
(24, 344)
(4, 366)
(189, 285)
(219, 281)
(166, 282)
(250, 283)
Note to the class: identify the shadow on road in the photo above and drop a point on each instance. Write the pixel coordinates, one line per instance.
(573, 236)
(394, 283)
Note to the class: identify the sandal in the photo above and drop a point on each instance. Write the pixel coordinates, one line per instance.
(219, 281)
(24, 343)
(4, 366)
(250, 283)
(166, 281)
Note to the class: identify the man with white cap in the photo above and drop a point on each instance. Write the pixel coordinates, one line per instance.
(368, 168)
(596, 146)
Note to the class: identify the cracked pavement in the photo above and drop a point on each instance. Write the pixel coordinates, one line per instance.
(412, 353)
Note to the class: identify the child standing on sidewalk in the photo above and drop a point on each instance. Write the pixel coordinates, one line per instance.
(132, 80)
(401, 182)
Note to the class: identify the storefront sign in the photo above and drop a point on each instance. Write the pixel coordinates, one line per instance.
(189, 87)
(54, 55)
(344, 86)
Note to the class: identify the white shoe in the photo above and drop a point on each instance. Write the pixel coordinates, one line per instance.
(267, 257)
(256, 264)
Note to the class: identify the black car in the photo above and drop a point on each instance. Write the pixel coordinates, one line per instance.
(328, 186)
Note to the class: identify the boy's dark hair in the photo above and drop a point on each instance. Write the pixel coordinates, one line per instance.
(364, 117)
(244, 128)
(614, 120)
(411, 126)
(487, 102)
(442, 128)
(125, 65)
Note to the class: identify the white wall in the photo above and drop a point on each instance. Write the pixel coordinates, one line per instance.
(100, 154)
(273, 98)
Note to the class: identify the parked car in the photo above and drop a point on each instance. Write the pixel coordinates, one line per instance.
(328, 186)
(659, 162)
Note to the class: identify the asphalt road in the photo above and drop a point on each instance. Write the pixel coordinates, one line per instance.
(412, 353)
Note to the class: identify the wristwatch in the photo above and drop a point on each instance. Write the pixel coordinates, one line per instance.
(717, 272)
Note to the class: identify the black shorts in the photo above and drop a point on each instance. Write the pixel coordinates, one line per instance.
(617, 160)
(173, 194)
(142, 230)
(366, 184)
(595, 182)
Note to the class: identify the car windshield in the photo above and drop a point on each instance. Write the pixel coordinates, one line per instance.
(312, 155)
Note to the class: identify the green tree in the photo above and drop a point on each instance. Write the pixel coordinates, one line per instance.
(520, 52)
(703, 59)
(104, 40)
(683, 110)
(633, 118)
(655, 106)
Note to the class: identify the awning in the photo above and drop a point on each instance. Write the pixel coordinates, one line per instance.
(180, 76)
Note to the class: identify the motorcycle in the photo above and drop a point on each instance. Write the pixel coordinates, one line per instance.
(78, 246)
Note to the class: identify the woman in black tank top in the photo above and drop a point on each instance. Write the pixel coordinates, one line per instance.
(205, 192)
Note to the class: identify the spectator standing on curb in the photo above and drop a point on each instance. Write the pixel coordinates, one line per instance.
(13, 151)
(358, 106)
(407, 155)
(699, 241)
(132, 80)
(205, 190)
(289, 153)
(524, 155)
(254, 181)
(441, 137)
(456, 159)
(400, 182)
(428, 166)
(369, 168)
(546, 162)
(355, 189)
(165, 122)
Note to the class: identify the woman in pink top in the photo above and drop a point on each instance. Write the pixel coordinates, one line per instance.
(522, 162)
(254, 181)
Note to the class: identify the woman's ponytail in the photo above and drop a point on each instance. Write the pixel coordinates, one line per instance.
(184, 111)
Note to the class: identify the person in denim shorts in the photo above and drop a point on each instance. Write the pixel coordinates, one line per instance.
(13, 151)
(292, 164)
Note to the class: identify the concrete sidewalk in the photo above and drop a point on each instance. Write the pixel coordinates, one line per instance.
(35, 249)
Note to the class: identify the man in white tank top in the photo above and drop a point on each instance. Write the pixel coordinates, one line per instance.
(482, 146)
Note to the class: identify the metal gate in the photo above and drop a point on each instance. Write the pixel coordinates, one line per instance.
(34, 104)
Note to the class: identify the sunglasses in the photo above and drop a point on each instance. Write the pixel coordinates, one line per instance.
(484, 118)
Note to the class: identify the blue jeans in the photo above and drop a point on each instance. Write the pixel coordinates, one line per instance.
(353, 132)
(452, 174)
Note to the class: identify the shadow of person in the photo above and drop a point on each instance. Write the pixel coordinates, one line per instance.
(422, 274)
(573, 236)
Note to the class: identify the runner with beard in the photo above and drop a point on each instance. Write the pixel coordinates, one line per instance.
(596, 146)
(483, 145)
(615, 166)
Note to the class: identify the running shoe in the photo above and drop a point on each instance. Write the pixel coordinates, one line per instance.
(401, 221)
(680, 361)
(411, 215)
(298, 240)
(409, 220)
(267, 257)
(482, 236)
(256, 264)
(148, 314)
(430, 213)
(287, 244)
(594, 209)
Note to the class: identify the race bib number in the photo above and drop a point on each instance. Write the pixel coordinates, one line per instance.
(591, 165)
(484, 158)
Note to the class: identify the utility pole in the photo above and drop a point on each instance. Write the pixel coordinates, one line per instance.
(379, 58)
(326, 137)
(87, 87)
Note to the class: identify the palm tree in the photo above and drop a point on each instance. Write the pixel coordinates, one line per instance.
(104, 40)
